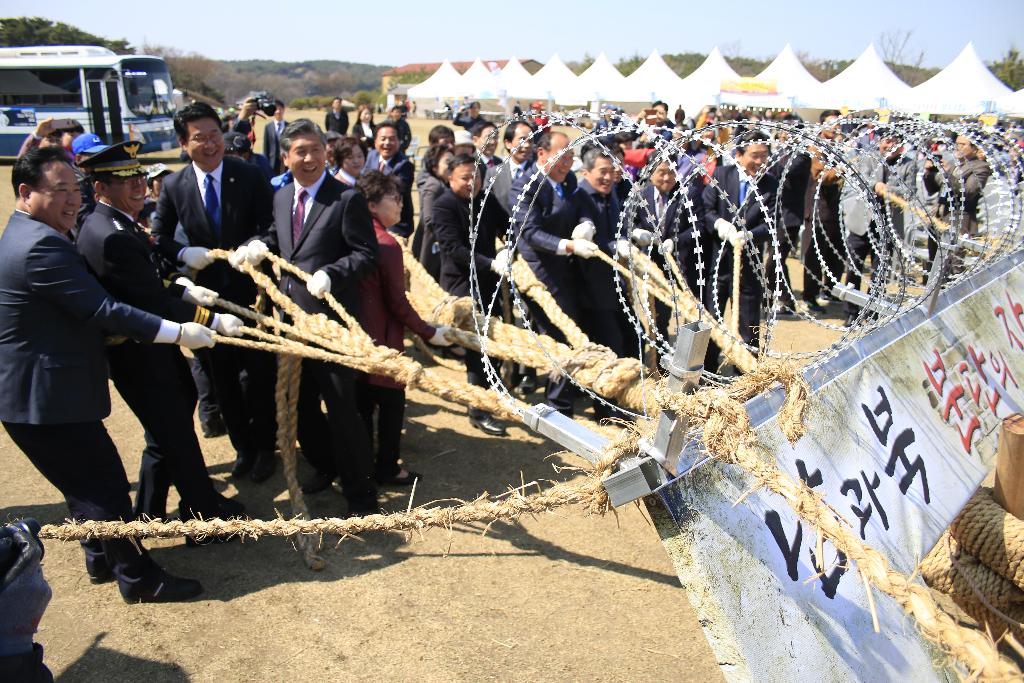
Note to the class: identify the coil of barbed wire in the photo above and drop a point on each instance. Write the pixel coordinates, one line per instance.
(893, 179)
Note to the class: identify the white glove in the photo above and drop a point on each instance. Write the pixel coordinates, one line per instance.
(256, 251)
(739, 238)
(195, 336)
(196, 295)
(195, 258)
(227, 324)
(319, 284)
(667, 246)
(725, 229)
(500, 262)
(440, 338)
(584, 248)
(622, 249)
(584, 231)
(642, 238)
(239, 256)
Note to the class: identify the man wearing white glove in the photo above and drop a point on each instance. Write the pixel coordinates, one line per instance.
(324, 228)
(743, 188)
(223, 203)
(500, 262)
(641, 237)
(550, 230)
(54, 313)
(601, 316)
(152, 379)
(227, 324)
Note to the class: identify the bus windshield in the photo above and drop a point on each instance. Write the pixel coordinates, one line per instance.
(147, 86)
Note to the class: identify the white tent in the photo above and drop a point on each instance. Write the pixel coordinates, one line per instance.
(792, 79)
(704, 85)
(965, 86)
(479, 83)
(515, 81)
(600, 82)
(866, 84)
(443, 83)
(1012, 104)
(653, 80)
(555, 81)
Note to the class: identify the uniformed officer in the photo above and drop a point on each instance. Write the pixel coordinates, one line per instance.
(153, 380)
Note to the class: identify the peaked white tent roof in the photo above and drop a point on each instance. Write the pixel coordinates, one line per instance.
(653, 80)
(515, 81)
(792, 79)
(1012, 103)
(965, 86)
(704, 85)
(866, 84)
(478, 82)
(445, 82)
(600, 81)
(557, 82)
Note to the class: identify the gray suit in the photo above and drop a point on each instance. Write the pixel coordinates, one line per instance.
(53, 314)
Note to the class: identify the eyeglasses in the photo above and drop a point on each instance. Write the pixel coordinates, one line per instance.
(212, 138)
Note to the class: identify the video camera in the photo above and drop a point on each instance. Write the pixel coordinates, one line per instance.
(264, 102)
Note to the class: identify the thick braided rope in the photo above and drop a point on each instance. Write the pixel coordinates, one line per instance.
(988, 532)
(728, 436)
(528, 284)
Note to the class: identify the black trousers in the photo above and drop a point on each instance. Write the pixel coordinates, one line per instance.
(389, 405)
(154, 380)
(340, 438)
(477, 376)
(208, 407)
(751, 293)
(778, 268)
(560, 392)
(609, 328)
(243, 380)
(830, 240)
(82, 462)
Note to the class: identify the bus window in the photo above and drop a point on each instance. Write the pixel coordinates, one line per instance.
(40, 87)
(146, 87)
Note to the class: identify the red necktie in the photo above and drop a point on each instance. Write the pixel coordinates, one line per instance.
(298, 217)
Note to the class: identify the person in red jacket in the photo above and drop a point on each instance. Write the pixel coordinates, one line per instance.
(385, 314)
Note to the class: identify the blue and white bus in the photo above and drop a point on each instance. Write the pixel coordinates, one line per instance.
(114, 96)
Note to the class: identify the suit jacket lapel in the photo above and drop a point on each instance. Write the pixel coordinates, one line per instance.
(227, 197)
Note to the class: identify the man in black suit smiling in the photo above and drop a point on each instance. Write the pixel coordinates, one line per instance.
(223, 202)
(324, 227)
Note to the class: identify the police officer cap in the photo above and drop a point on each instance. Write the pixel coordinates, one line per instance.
(119, 159)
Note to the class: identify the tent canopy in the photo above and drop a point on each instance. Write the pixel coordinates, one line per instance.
(515, 81)
(704, 85)
(556, 81)
(445, 82)
(478, 82)
(653, 80)
(601, 81)
(965, 86)
(866, 84)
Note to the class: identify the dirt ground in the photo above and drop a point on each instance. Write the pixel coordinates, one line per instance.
(558, 597)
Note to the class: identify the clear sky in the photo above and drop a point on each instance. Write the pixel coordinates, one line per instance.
(397, 32)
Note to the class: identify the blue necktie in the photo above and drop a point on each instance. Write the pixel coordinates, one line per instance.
(744, 188)
(212, 205)
(559, 191)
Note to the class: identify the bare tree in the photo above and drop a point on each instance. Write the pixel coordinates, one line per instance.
(898, 55)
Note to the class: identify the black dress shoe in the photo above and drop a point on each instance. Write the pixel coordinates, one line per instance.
(168, 588)
(214, 427)
(263, 468)
(317, 483)
(816, 308)
(243, 465)
(100, 575)
(230, 507)
(398, 480)
(488, 425)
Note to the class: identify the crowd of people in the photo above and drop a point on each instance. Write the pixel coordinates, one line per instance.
(96, 237)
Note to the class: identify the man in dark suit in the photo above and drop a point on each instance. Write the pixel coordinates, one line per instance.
(793, 170)
(450, 224)
(675, 213)
(53, 315)
(272, 138)
(734, 219)
(223, 202)
(544, 220)
(387, 158)
(153, 380)
(336, 120)
(324, 228)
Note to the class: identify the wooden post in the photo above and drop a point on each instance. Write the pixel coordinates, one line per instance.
(1009, 487)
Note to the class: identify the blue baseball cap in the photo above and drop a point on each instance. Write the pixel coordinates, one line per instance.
(87, 143)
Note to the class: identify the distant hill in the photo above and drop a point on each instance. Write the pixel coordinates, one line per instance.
(292, 80)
